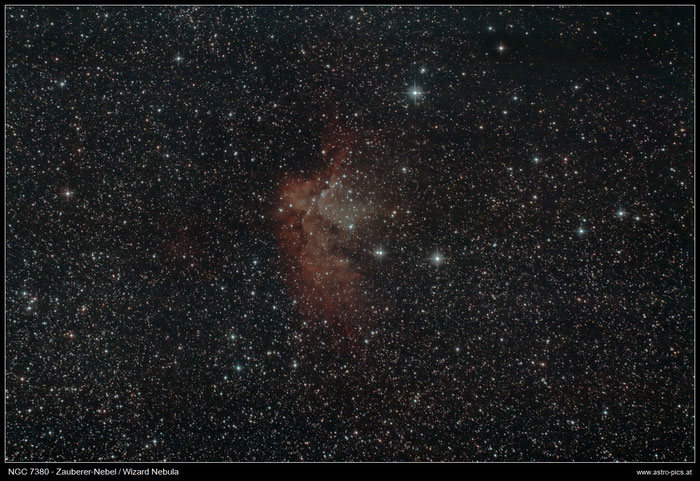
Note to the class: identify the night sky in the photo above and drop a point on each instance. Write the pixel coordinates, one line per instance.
(349, 234)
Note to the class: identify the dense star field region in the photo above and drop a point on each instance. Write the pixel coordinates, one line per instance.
(349, 234)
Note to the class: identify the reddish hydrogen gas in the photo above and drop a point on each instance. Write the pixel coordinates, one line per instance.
(320, 219)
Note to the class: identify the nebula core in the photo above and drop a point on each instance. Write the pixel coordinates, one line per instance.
(322, 219)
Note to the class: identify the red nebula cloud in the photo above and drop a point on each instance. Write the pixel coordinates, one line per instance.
(317, 237)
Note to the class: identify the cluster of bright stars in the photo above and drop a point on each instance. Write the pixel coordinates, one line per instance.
(620, 214)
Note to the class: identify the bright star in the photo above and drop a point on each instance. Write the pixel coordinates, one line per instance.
(415, 92)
